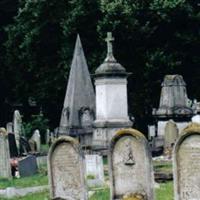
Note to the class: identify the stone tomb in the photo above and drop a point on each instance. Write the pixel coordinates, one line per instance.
(94, 170)
(186, 162)
(66, 170)
(131, 171)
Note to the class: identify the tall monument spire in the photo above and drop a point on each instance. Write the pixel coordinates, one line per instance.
(79, 104)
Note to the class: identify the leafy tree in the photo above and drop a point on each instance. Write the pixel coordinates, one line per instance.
(40, 46)
(153, 38)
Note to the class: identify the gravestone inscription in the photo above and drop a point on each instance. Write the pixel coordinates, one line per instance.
(131, 171)
(187, 164)
(66, 170)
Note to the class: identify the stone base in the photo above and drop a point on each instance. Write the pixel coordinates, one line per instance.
(104, 132)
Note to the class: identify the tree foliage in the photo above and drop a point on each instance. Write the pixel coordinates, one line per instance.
(153, 38)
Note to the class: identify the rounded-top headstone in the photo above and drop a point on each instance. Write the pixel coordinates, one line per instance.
(186, 162)
(131, 171)
(66, 170)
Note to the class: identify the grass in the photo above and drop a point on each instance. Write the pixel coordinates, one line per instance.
(103, 194)
(36, 180)
(165, 192)
(162, 166)
(36, 196)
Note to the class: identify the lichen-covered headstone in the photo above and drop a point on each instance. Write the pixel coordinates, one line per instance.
(131, 171)
(5, 169)
(66, 170)
(186, 164)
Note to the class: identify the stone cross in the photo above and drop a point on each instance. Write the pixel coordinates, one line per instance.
(109, 41)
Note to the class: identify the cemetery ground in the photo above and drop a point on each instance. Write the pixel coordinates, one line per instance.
(164, 192)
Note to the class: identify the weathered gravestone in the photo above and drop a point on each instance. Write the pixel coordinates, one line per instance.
(187, 164)
(131, 171)
(5, 169)
(94, 170)
(66, 170)
(170, 137)
(17, 126)
(36, 137)
(27, 166)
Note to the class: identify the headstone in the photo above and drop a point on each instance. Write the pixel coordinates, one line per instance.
(27, 166)
(9, 127)
(66, 170)
(187, 164)
(33, 146)
(36, 137)
(12, 145)
(17, 126)
(151, 131)
(171, 134)
(47, 137)
(131, 171)
(5, 168)
(94, 170)
(24, 146)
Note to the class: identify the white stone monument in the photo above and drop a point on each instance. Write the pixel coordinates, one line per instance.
(111, 98)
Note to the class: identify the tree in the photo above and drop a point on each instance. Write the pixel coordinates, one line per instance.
(40, 45)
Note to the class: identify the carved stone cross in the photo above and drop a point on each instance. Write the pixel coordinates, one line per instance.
(109, 41)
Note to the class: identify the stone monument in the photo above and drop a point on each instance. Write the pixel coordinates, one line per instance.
(5, 168)
(186, 162)
(111, 99)
(66, 170)
(94, 170)
(171, 135)
(37, 139)
(173, 104)
(17, 126)
(131, 171)
(79, 105)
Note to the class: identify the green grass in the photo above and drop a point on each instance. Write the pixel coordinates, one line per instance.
(162, 166)
(36, 196)
(165, 192)
(103, 194)
(36, 180)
